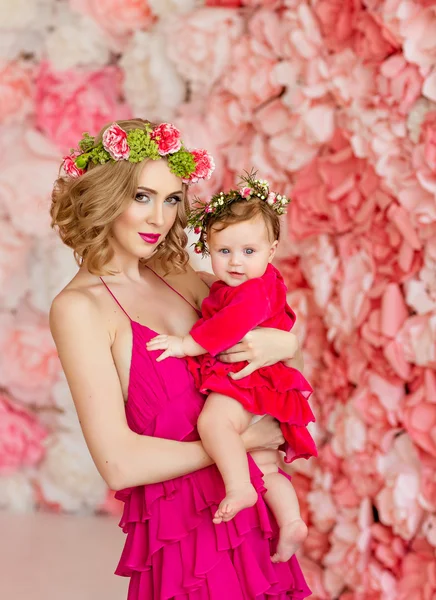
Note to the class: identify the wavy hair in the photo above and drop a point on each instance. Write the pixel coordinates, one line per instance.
(84, 209)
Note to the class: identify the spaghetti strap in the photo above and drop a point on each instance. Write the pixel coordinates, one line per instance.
(174, 290)
(114, 297)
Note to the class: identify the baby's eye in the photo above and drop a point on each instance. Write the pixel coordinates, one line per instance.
(249, 251)
(224, 251)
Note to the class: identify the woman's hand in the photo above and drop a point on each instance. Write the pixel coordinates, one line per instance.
(263, 435)
(207, 278)
(261, 347)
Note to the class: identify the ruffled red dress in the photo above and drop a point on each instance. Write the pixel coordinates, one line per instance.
(228, 314)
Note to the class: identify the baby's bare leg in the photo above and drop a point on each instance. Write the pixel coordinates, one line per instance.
(220, 424)
(283, 502)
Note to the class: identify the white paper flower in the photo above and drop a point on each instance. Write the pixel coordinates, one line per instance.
(152, 86)
(76, 40)
(14, 255)
(51, 267)
(23, 26)
(16, 493)
(29, 168)
(68, 476)
(165, 8)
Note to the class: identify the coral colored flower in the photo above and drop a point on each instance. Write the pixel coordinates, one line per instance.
(419, 412)
(15, 91)
(115, 142)
(70, 167)
(167, 138)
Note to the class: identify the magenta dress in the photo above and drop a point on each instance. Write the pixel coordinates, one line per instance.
(173, 551)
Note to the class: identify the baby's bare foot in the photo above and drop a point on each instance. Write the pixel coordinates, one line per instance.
(291, 536)
(236, 499)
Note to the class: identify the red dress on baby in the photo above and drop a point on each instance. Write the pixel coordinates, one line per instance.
(228, 314)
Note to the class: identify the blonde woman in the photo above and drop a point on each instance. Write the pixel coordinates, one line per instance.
(121, 206)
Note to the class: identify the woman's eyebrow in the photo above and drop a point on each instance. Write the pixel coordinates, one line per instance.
(146, 189)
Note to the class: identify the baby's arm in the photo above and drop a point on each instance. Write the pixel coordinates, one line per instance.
(175, 346)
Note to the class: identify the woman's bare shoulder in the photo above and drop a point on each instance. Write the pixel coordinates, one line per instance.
(77, 301)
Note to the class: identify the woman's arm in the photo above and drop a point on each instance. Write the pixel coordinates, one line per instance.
(123, 458)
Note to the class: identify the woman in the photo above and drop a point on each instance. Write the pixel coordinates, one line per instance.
(124, 214)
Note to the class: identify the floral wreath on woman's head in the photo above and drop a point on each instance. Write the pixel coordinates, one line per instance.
(137, 145)
(250, 189)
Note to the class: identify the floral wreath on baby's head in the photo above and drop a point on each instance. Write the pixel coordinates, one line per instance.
(164, 140)
(250, 188)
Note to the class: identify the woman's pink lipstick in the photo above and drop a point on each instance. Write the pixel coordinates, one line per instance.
(150, 238)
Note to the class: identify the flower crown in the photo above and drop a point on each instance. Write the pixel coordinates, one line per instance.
(138, 144)
(249, 189)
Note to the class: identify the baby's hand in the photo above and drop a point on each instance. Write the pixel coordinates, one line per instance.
(172, 345)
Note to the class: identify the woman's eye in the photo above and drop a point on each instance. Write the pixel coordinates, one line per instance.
(249, 251)
(142, 198)
(173, 199)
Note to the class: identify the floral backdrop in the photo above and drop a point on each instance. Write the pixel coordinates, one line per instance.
(334, 101)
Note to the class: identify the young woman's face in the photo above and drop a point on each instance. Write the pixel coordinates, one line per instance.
(149, 217)
(241, 251)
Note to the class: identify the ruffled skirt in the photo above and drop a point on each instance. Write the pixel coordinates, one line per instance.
(174, 551)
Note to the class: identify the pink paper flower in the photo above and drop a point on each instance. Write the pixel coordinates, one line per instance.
(28, 359)
(337, 19)
(419, 412)
(70, 167)
(118, 18)
(330, 193)
(200, 44)
(224, 3)
(205, 166)
(399, 83)
(115, 142)
(21, 438)
(250, 76)
(167, 138)
(84, 101)
(418, 576)
(397, 502)
(388, 549)
(428, 138)
(372, 41)
(16, 92)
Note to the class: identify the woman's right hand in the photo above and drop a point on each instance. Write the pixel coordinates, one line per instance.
(263, 435)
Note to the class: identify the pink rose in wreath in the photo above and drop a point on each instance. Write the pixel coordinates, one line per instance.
(115, 142)
(70, 167)
(167, 137)
(205, 166)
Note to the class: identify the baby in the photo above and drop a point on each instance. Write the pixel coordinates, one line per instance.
(240, 229)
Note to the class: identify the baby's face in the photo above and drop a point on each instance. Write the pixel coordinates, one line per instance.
(241, 251)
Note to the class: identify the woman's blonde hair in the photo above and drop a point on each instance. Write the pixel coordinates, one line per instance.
(84, 209)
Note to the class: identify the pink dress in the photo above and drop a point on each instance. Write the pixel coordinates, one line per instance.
(173, 551)
(229, 313)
